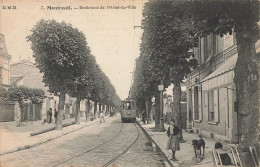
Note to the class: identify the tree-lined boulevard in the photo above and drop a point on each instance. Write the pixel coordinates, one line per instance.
(172, 29)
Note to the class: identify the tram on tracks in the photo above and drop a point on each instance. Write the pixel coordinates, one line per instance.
(128, 110)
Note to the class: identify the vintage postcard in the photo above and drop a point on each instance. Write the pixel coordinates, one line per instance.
(89, 83)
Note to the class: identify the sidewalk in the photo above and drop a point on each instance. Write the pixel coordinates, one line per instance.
(186, 155)
(14, 138)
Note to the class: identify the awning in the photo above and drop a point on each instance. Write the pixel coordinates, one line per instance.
(221, 76)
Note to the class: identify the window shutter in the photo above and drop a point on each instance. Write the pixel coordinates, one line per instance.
(199, 101)
(193, 100)
(206, 107)
(216, 107)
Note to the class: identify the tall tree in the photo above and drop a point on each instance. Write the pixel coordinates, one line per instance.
(58, 49)
(166, 41)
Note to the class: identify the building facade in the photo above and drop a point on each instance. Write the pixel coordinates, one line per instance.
(211, 92)
(4, 63)
(211, 97)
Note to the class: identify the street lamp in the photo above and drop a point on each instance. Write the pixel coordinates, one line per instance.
(161, 88)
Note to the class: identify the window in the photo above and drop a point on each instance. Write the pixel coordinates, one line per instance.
(214, 38)
(213, 103)
(211, 106)
(129, 106)
(205, 48)
(208, 47)
(196, 102)
(190, 105)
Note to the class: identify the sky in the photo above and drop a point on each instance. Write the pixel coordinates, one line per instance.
(109, 32)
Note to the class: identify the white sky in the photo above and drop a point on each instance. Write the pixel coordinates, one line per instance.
(110, 32)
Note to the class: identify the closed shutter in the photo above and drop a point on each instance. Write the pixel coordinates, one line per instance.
(199, 101)
(193, 100)
(226, 110)
(216, 106)
(206, 106)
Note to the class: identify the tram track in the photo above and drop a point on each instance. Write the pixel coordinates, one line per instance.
(82, 153)
(123, 152)
(104, 143)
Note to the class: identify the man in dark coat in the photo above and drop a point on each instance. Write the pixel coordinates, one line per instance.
(55, 115)
(50, 115)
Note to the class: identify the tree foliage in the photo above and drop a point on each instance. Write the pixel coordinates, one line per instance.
(62, 54)
(59, 51)
(22, 93)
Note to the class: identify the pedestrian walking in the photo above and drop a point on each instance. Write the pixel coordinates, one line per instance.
(173, 143)
(50, 115)
(102, 117)
(55, 115)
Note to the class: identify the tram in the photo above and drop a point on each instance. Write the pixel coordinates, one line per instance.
(128, 110)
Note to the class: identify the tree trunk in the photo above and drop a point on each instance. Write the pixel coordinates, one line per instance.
(149, 110)
(104, 109)
(77, 117)
(177, 106)
(246, 82)
(157, 110)
(95, 109)
(60, 111)
(99, 109)
(109, 110)
(88, 110)
(146, 110)
(138, 108)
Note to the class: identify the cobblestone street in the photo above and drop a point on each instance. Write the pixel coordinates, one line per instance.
(80, 148)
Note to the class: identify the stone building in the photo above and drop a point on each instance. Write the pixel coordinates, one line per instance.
(211, 92)
(4, 63)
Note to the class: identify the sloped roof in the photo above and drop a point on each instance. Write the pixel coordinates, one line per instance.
(24, 61)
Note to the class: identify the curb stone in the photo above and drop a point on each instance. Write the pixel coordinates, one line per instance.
(169, 162)
(50, 129)
(44, 141)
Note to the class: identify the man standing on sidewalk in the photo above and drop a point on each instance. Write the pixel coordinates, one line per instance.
(55, 115)
(50, 115)
(102, 117)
